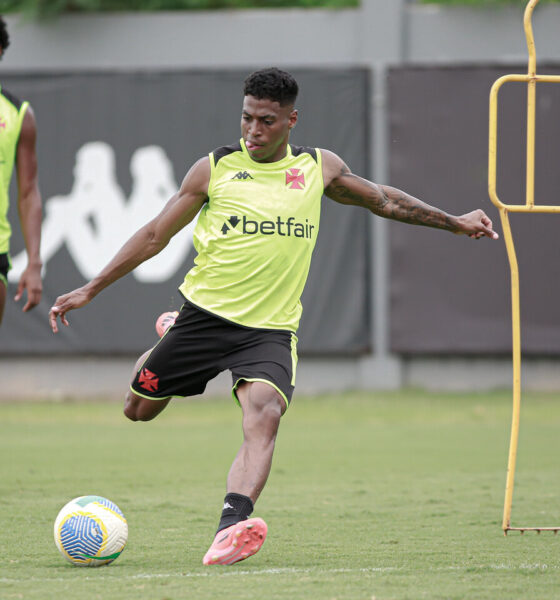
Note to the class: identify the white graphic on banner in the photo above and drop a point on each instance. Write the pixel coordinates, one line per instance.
(95, 219)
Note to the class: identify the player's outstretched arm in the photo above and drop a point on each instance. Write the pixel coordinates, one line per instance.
(343, 186)
(30, 211)
(145, 243)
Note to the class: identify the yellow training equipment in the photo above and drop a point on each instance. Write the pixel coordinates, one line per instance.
(531, 78)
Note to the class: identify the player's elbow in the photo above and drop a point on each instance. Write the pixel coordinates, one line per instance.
(29, 200)
(155, 242)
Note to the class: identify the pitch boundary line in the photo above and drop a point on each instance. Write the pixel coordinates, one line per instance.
(287, 570)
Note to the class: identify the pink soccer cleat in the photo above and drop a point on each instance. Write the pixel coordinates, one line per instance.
(164, 322)
(236, 542)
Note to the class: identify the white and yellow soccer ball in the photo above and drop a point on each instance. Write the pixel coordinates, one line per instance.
(90, 531)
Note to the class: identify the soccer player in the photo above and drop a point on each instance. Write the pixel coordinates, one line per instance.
(259, 202)
(17, 142)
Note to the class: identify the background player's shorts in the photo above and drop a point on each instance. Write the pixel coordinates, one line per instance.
(4, 268)
(199, 345)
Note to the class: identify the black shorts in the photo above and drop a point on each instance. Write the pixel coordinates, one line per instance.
(199, 345)
(4, 268)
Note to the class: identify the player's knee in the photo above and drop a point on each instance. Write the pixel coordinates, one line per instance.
(132, 408)
(268, 405)
(143, 409)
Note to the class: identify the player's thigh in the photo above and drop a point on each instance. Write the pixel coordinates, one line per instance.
(269, 359)
(258, 396)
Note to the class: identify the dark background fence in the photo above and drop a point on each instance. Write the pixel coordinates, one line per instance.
(447, 294)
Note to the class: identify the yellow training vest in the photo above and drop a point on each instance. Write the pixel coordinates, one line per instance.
(255, 237)
(12, 112)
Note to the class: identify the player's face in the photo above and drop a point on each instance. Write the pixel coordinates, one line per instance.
(265, 127)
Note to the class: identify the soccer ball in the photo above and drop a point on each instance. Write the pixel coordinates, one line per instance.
(90, 531)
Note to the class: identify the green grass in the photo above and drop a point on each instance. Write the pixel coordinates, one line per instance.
(384, 495)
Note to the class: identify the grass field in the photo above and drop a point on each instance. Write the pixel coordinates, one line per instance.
(372, 496)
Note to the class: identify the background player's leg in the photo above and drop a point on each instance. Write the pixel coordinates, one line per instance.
(262, 408)
(137, 408)
(2, 298)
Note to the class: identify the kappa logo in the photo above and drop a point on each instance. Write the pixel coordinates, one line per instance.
(95, 218)
(289, 227)
(148, 380)
(295, 179)
(242, 176)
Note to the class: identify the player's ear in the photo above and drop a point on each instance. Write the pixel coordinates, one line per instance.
(293, 118)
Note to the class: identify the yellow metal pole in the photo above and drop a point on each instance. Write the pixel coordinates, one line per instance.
(531, 102)
(493, 143)
(528, 26)
(516, 354)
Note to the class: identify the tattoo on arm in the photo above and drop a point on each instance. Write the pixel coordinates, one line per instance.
(387, 202)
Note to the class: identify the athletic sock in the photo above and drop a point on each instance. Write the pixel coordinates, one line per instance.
(237, 507)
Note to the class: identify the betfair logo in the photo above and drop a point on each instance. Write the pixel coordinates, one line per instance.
(233, 222)
(242, 176)
(289, 227)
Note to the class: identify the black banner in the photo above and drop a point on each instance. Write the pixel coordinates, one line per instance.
(113, 147)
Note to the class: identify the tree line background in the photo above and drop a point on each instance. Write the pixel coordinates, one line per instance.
(51, 8)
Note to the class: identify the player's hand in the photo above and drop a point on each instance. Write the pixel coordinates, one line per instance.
(30, 280)
(63, 304)
(476, 224)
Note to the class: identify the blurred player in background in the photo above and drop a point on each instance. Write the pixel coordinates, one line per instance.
(17, 142)
(259, 201)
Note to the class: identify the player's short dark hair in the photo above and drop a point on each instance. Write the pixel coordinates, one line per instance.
(272, 84)
(4, 37)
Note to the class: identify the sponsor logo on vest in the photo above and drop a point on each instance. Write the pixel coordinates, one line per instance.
(295, 179)
(288, 228)
(2, 123)
(242, 176)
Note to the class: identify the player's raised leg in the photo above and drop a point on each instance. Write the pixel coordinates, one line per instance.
(239, 536)
(138, 408)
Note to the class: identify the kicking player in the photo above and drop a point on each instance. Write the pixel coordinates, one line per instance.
(17, 142)
(259, 202)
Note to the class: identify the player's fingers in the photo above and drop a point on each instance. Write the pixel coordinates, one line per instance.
(19, 291)
(487, 231)
(33, 298)
(52, 322)
(29, 305)
(486, 223)
(53, 314)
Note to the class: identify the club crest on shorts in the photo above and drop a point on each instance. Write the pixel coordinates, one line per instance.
(148, 380)
(295, 179)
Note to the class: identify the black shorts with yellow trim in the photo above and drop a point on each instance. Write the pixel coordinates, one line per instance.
(199, 345)
(5, 266)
